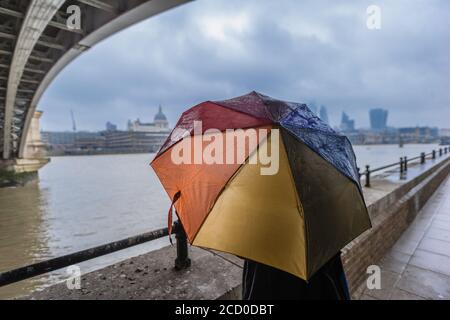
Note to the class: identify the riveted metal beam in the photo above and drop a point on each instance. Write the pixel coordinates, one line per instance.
(11, 13)
(5, 35)
(55, 24)
(39, 14)
(42, 59)
(99, 5)
(32, 57)
(32, 70)
(50, 44)
(45, 43)
(24, 80)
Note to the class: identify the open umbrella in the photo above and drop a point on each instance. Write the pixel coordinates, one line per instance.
(294, 212)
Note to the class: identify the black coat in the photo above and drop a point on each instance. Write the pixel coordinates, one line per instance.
(262, 282)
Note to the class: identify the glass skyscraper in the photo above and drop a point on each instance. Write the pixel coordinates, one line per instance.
(378, 119)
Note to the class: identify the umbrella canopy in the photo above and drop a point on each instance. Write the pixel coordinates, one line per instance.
(294, 219)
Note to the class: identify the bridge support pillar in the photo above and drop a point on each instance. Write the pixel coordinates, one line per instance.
(18, 171)
(35, 151)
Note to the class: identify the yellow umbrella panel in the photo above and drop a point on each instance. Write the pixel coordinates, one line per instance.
(294, 220)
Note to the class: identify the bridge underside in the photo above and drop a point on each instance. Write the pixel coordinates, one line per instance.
(36, 44)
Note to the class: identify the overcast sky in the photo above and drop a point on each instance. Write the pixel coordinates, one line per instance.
(301, 51)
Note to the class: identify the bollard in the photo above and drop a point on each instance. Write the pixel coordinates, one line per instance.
(405, 164)
(434, 154)
(359, 174)
(182, 261)
(422, 158)
(368, 176)
(401, 164)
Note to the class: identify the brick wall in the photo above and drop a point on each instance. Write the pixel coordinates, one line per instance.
(391, 215)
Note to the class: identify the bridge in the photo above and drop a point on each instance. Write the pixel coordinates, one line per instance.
(36, 43)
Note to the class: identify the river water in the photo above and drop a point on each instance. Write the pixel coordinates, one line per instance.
(84, 201)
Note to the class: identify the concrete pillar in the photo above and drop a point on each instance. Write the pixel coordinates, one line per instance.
(35, 152)
(35, 148)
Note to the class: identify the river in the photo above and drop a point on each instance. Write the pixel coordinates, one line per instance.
(83, 201)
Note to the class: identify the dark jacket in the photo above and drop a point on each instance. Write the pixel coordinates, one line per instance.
(261, 282)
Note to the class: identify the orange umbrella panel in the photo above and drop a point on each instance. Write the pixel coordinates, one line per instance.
(199, 167)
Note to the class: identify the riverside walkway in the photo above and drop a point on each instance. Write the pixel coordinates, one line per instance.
(418, 265)
(409, 240)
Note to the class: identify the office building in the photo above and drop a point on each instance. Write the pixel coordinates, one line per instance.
(347, 124)
(378, 119)
(324, 114)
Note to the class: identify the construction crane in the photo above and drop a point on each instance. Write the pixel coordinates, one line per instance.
(74, 126)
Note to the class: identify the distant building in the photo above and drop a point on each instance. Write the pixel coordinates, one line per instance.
(378, 119)
(444, 135)
(347, 124)
(419, 134)
(134, 141)
(312, 106)
(58, 139)
(140, 136)
(355, 137)
(324, 114)
(159, 124)
(62, 141)
(86, 140)
(110, 126)
(444, 132)
(160, 119)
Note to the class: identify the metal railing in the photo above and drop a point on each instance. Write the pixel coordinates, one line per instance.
(182, 260)
(402, 164)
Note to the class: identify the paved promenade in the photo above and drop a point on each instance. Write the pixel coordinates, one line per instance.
(418, 265)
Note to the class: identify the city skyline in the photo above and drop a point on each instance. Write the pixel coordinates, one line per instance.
(123, 123)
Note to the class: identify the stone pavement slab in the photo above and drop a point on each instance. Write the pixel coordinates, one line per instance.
(418, 265)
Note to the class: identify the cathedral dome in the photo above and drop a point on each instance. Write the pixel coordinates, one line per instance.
(160, 116)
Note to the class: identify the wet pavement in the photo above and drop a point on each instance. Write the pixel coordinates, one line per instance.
(212, 275)
(417, 267)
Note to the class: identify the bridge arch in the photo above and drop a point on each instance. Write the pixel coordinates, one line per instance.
(36, 44)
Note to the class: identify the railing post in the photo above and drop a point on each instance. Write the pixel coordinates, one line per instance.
(405, 164)
(440, 152)
(367, 176)
(401, 164)
(422, 158)
(434, 154)
(182, 261)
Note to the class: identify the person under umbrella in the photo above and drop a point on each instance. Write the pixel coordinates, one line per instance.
(290, 220)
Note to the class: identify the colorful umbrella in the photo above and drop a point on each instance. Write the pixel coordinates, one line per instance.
(294, 212)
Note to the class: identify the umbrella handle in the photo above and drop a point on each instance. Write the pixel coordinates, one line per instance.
(170, 214)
